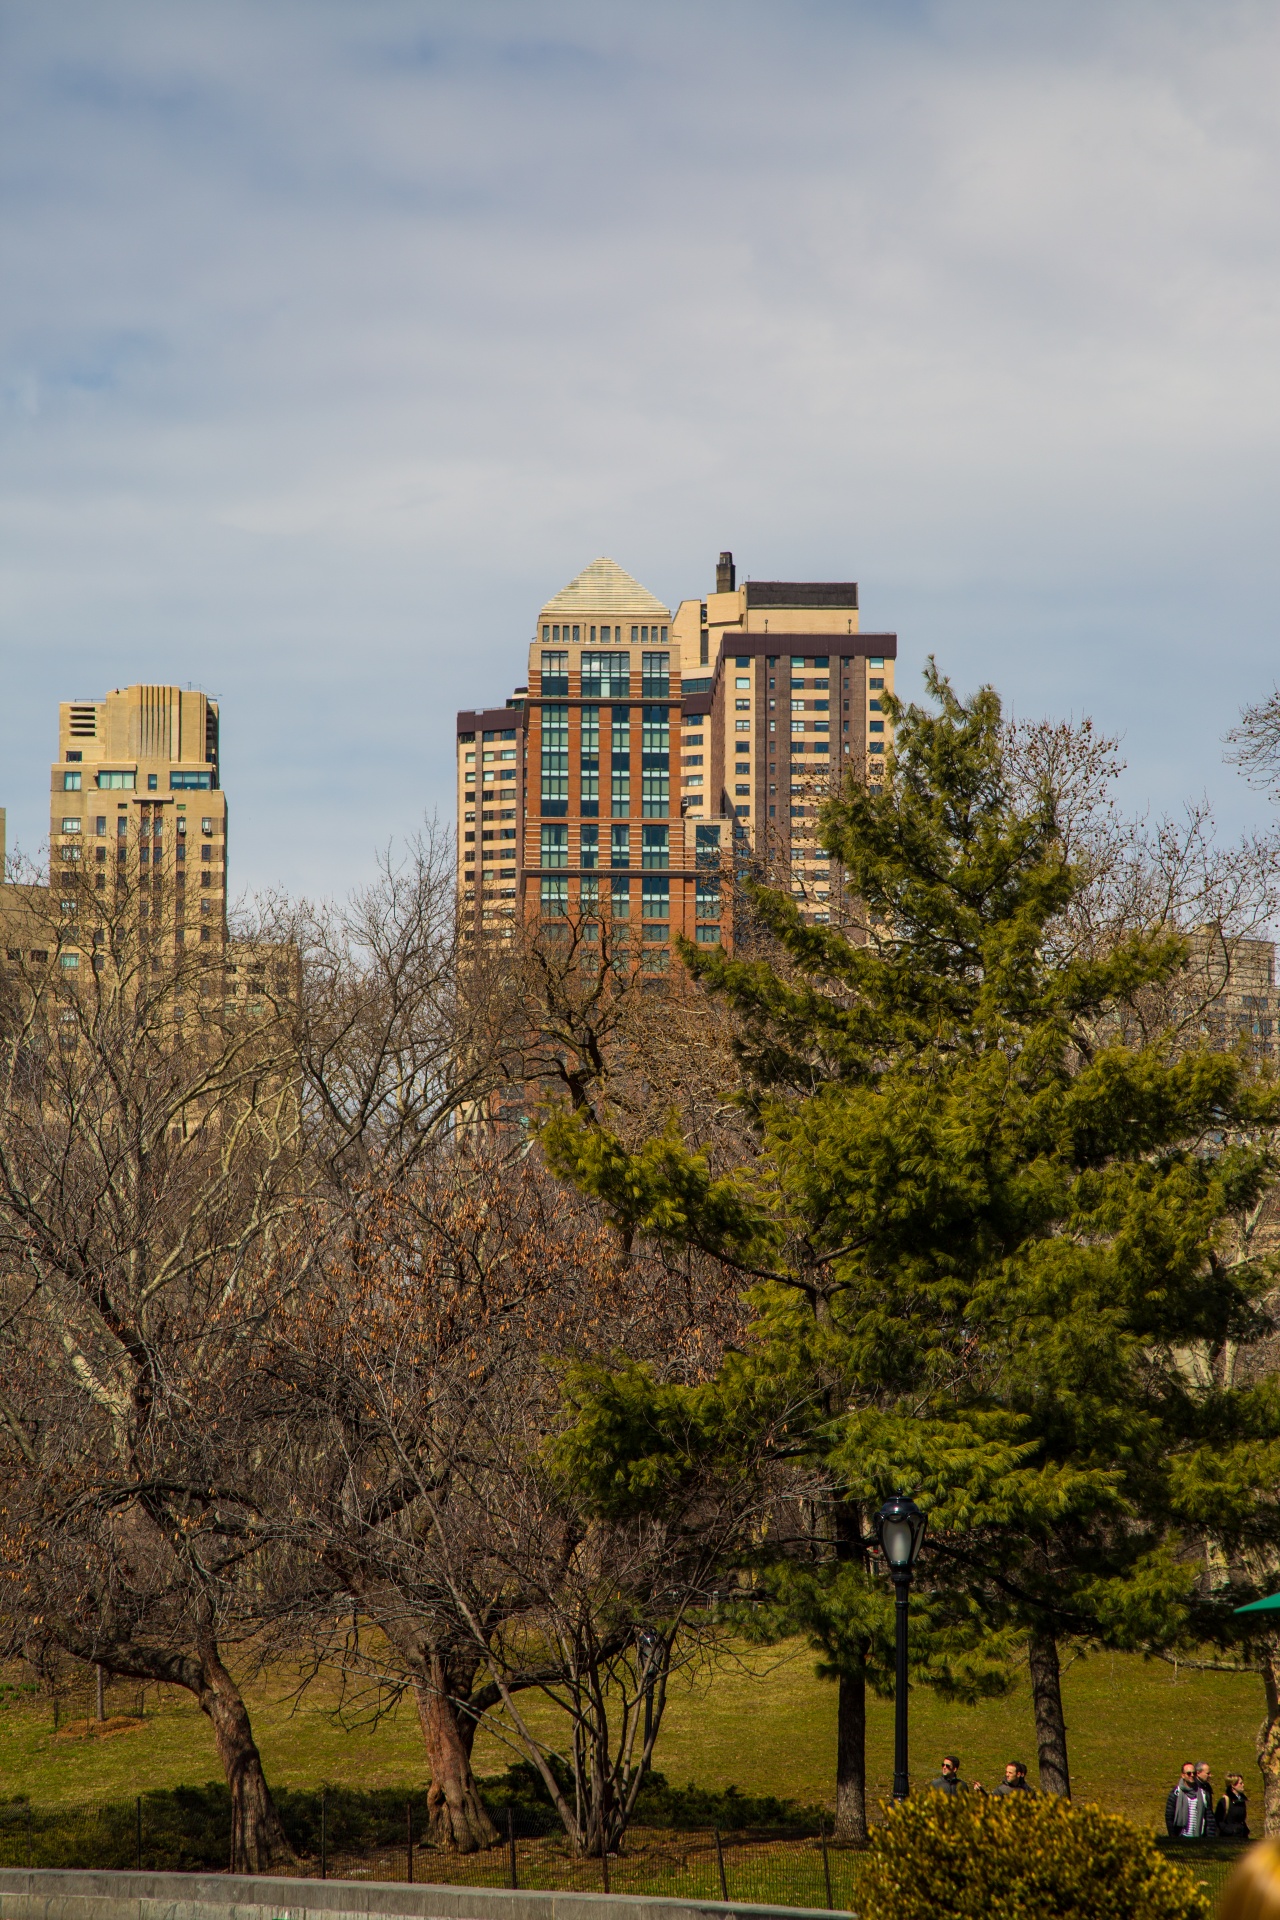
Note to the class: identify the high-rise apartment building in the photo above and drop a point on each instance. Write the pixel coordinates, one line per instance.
(647, 746)
(137, 811)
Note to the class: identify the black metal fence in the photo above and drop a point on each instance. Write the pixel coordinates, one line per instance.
(764, 1867)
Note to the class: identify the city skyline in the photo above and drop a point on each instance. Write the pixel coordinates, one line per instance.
(307, 395)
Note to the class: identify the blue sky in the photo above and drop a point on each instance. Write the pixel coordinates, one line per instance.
(336, 338)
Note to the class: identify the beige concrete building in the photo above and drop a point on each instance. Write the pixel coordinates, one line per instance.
(137, 812)
(646, 745)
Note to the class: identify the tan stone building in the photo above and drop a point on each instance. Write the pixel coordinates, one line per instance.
(137, 811)
(647, 745)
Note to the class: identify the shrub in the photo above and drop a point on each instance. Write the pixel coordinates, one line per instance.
(974, 1857)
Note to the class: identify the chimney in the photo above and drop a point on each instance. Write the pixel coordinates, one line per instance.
(726, 574)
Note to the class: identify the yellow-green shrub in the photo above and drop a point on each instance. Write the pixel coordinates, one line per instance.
(973, 1857)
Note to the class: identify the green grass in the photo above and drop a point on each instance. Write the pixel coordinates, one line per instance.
(765, 1724)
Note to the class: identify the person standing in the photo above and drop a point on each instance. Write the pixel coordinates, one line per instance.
(948, 1781)
(1015, 1779)
(1232, 1813)
(1188, 1814)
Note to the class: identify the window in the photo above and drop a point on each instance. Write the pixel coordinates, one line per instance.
(589, 846)
(876, 661)
(206, 853)
(655, 763)
(876, 706)
(654, 847)
(876, 726)
(555, 673)
(655, 683)
(589, 767)
(69, 960)
(71, 823)
(742, 660)
(606, 676)
(75, 755)
(589, 896)
(206, 825)
(707, 846)
(874, 684)
(620, 847)
(186, 781)
(742, 726)
(742, 706)
(708, 896)
(694, 740)
(620, 898)
(112, 779)
(709, 936)
(693, 779)
(71, 782)
(620, 763)
(555, 846)
(822, 660)
(691, 760)
(741, 790)
(555, 899)
(555, 760)
(655, 898)
(100, 823)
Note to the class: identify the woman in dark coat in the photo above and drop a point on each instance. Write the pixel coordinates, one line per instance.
(1233, 1810)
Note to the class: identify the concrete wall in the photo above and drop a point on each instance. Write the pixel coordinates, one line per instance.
(46, 1894)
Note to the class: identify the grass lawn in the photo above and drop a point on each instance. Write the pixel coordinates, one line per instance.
(765, 1724)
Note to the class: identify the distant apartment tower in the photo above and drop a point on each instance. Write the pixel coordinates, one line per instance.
(137, 811)
(648, 747)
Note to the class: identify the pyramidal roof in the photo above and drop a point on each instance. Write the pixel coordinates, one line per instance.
(603, 587)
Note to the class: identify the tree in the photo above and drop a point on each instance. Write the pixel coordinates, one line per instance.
(982, 1228)
(148, 1150)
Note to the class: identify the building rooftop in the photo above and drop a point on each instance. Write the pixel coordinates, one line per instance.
(604, 587)
(802, 593)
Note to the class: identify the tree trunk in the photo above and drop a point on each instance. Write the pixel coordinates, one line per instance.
(851, 1759)
(1051, 1728)
(455, 1812)
(258, 1840)
(1269, 1735)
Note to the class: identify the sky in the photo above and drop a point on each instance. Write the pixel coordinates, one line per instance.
(336, 338)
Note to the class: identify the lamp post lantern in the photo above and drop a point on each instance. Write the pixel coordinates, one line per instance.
(900, 1525)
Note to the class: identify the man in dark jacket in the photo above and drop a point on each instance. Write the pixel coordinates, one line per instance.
(1015, 1779)
(1188, 1811)
(948, 1781)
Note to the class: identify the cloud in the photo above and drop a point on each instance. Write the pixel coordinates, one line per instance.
(336, 339)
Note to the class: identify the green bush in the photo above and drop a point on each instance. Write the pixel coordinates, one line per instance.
(974, 1857)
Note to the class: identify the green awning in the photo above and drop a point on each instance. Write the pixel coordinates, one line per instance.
(1270, 1605)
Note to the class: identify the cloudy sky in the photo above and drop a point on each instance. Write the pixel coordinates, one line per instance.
(336, 337)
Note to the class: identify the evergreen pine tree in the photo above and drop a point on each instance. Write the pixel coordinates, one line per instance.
(981, 1234)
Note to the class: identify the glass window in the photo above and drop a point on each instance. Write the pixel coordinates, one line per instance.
(75, 755)
(744, 680)
(589, 846)
(71, 823)
(872, 683)
(555, 673)
(71, 782)
(709, 936)
(620, 762)
(620, 847)
(620, 898)
(708, 896)
(589, 895)
(69, 960)
(555, 760)
(655, 682)
(109, 779)
(555, 898)
(655, 742)
(707, 846)
(606, 676)
(555, 846)
(877, 661)
(186, 782)
(655, 898)
(742, 660)
(655, 847)
(589, 763)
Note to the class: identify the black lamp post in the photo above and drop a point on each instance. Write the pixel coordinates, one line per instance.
(901, 1526)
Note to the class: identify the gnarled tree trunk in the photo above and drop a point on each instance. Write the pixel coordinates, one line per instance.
(257, 1837)
(1268, 1744)
(851, 1758)
(456, 1815)
(1051, 1727)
